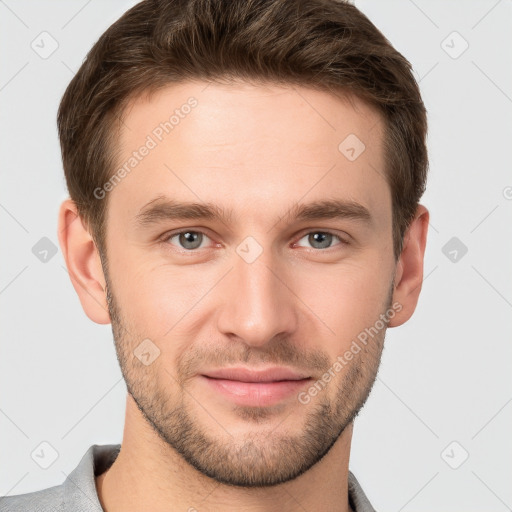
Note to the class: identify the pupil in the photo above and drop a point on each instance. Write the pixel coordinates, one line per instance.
(189, 240)
(322, 238)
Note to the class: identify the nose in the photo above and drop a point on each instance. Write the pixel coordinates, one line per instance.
(258, 301)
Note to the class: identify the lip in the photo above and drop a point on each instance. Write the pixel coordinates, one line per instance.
(256, 388)
(276, 373)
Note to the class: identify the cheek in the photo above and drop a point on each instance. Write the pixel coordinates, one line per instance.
(159, 300)
(346, 297)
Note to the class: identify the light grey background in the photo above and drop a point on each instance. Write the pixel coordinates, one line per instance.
(445, 375)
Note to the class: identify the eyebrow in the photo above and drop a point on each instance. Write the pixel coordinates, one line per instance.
(164, 208)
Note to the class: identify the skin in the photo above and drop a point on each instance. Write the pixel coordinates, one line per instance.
(258, 150)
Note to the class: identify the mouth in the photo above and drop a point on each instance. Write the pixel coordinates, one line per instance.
(263, 388)
(272, 374)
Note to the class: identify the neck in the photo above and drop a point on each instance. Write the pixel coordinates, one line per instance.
(148, 474)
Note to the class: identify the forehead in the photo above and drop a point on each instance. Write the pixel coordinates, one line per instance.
(250, 148)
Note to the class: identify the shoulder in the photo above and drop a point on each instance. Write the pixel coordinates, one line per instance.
(76, 494)
(45, 500)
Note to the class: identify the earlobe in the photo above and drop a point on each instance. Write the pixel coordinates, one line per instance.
(409, 271)
(83, 263)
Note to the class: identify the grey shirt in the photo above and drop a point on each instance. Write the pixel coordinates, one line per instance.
(78, 492)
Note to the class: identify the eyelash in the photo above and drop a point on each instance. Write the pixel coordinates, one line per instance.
(167, 236)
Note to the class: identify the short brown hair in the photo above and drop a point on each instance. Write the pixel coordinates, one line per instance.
(323, 44)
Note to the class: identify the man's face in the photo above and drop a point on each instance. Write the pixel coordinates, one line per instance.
(257, 288)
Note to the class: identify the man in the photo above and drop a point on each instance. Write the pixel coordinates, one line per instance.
(244, 183)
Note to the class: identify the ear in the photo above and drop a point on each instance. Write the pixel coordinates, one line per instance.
(409, 272)
(83, 263)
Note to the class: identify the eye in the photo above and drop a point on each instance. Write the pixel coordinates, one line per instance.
(322, 239)
(188, 239)
(191, 240)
